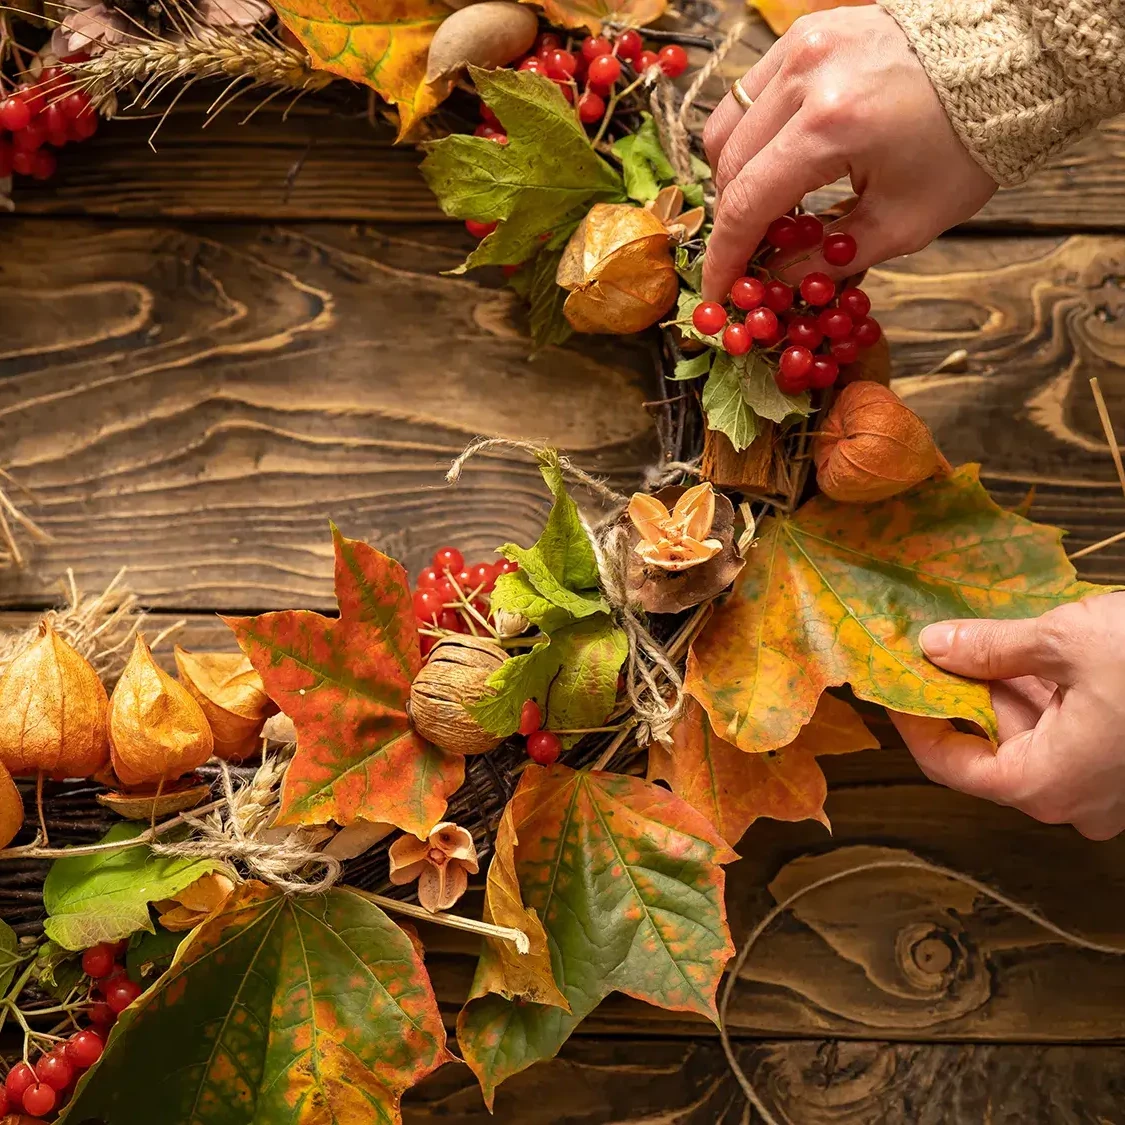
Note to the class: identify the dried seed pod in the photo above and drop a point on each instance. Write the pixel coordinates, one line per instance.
(171, 799)
(11, 808)
(233, 697)
(442, 864)
(52, 712)
(487, 34)
(510, 624)
(678, 539)
(157, 731)
(451, 679)
(618, 270)
(872, 446)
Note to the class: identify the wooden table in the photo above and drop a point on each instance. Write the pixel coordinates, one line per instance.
(209, 351)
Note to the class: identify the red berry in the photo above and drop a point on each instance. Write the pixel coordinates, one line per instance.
(30, 137)
(85, 125)
(604, 71)
(747, 293)
(429, 578)
(561, 65)
(448, 558)
(15, 114)
(629, 45)
(19, 1079)
(783, 234)
(779, 296)
(795, 363)
(818, 288)
(543, 747)
(5, 1103)
(531, 63)
(810, 230)
(507, 566)
(479, 230)
(855, 302)
(84, 1049)
(867, 332)
(425, 645)
(121, 994)
(450, 620)
(77, 103)
(647, 59)
(461, 580)
(40, 1099)
(43, 165)
(427, 605)
(531, 717)
(845, 351)
(839, 249)
(803, 330)
(54, 1071)
(673, 60)
(566, 88)
(595, 46)
(489, 117)
(824, 372)
(591, 108)
(482, 576)
(485, 129)
(762, 324)
(5, 159)
(101, 1014)
(835, 324)
(790, 384)
(22, 162)
(546, 42)
(709, 317)
(737, 339)
(775, 338)
(98, 961)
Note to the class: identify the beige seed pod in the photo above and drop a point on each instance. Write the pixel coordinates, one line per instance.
(453, 678)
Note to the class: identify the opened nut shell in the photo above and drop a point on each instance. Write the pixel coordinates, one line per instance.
(453, 678)
(618, 270)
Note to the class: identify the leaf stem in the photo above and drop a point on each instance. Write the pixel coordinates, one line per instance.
(611, 105)
(455, 921)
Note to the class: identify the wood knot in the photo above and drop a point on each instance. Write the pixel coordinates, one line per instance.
(927, 955)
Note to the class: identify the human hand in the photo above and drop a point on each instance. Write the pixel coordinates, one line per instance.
(841, 93)
(1059, 694)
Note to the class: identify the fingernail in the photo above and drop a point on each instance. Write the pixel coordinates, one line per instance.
(937, 640)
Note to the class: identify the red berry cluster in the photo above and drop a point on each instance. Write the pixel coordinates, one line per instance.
(39, 1090)
(446, 590)
(46, 112)
(586, 77)
(821, 330)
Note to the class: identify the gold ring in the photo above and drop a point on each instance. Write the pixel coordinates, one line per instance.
(740, 95)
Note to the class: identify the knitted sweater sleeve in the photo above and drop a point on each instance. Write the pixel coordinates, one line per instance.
(1020, 79)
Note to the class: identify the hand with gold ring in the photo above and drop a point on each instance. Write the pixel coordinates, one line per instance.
(840, 94)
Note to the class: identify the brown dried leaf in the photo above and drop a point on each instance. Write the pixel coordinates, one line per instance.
(195, 903)
(52, 712)
(356, 838)
(229, 690)
(157, 731)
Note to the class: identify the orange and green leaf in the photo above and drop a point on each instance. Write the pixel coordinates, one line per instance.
(291, 1010)
(592, 14)
(838, 593)
(381, 43)
(782, 14)
(733, 788)
(345, 683)
(626, 878)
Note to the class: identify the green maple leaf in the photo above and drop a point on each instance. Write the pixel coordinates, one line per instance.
(277, 1011)
(542, 181)
(626, 879)
(345, 683)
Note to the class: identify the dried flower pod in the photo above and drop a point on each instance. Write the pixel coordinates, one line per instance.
(664, 589)
(618, 269)
(173, 798)
(11, 808)
(872, 446)
(676, 539)
(487, 34)
(668, 207)
(195, 903)
(52, 712)
(157, 731)
(231, 693)
(452, 678)
(442, 864)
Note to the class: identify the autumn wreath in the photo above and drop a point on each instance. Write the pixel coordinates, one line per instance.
(588, 723)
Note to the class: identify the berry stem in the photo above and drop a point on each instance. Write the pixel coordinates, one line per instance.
(611, 105)
(43, 841)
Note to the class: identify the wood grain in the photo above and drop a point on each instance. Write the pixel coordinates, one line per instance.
(802, 1082)
(199, 402)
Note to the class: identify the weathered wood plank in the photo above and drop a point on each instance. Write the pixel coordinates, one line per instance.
(197, 402)
(801, 1082)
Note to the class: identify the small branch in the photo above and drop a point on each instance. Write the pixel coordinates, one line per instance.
(1107, 426)
(454, 921)
(1100, 545)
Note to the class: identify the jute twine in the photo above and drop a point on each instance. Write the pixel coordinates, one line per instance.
(657, 706)
(232, 833)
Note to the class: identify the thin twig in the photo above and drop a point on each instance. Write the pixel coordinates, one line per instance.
(1100, 545)
(454, 921)
(1107, 426)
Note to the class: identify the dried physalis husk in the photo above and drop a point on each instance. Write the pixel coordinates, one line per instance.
(452, 679)
(618, 270)
(872, 446)
(442, 864)
(680, 538)
(11, 808)
(157, 731)
(699, 522)
(52, 712)
(233, 697)
(195, 903)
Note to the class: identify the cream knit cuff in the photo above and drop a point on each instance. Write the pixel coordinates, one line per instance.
(1020, 79)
